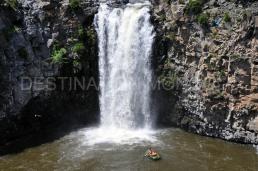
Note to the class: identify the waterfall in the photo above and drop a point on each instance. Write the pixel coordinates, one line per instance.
(125, 37)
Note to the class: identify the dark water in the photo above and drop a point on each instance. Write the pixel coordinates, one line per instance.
(179, 151)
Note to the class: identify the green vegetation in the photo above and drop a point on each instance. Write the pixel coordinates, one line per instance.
(74, 4)
(81, 32)
(222, 73)
(15, 29)
(194, 7)
(91, 35)
(76, 63)
(78, 48)
(23, 53)
(227, 17)
(58, 55)
(203, 19)
(12, 3)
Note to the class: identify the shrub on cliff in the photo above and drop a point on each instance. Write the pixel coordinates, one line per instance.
(227, 17)
(74, 4)
(58, 55)
(81, 32)
(90, 35)
(194, 7)
(78, 48)
(203, 19)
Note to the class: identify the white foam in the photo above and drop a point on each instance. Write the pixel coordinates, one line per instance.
(113, 135)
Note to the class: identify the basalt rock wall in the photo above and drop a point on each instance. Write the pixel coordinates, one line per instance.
(206, 59)
(43, 41)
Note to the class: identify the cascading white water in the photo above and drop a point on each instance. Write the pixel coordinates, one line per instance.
(125, 37)
(125, 40)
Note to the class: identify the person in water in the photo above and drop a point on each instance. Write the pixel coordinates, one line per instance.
(151, 152)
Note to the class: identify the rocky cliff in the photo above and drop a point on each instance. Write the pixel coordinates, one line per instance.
(206, 58)
(43, 40)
